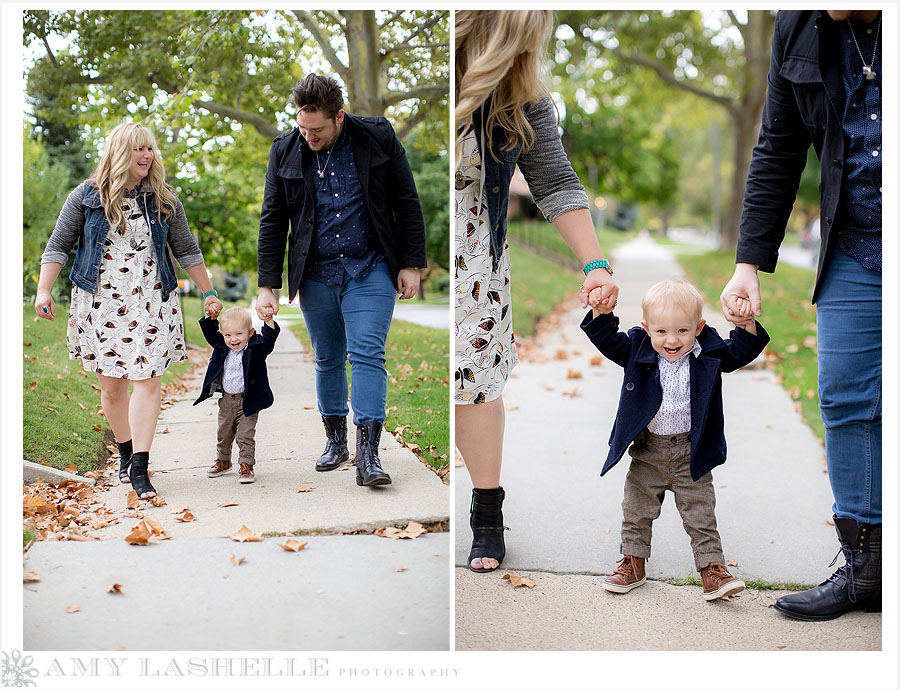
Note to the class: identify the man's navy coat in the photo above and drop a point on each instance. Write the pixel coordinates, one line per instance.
(641, 393)
(257, 393)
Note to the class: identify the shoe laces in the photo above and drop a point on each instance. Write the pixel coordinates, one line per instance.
(625, 567)
(718, 571)
(845, 572)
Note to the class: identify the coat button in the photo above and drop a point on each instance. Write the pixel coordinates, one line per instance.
(629, 386)
(252, 381)
(495, 190)
(836, 163)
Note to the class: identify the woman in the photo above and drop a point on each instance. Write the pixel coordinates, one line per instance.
(125, 320)
(503, 108)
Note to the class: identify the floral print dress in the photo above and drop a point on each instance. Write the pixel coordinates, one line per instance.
(485, 345)
(127, 330)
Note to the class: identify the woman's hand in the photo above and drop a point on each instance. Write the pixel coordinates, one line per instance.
(599, 290)
(44, 306)
(212, 306)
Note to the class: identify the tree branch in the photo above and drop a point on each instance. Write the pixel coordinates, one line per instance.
(663, 72)
(393, 97)
(262, 125)
(319, 37)
(410, 124)
(49, 51)
(419, 29)
(392, 18)
(740, 27)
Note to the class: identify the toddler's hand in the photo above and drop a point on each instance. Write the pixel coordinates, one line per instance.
(743, 312)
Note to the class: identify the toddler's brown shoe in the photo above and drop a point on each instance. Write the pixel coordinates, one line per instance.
(628, 575)
(718, 582)
(246, 473)
(220, 467)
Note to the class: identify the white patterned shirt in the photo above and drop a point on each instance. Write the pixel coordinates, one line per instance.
(674, 413)
(233, 373)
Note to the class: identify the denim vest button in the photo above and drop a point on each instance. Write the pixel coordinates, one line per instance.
(495, 190)
(629, 386)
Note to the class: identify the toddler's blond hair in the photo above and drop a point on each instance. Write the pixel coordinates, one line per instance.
(678, 293)
(237, 316)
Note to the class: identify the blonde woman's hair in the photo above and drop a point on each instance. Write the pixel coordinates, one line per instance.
(111, 173)
(236, 315)
(677, 293)
(502, 54)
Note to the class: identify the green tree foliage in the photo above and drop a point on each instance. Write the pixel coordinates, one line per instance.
(724, 64)
(45, 184)
(432, 175)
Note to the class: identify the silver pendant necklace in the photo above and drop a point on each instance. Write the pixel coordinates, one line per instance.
(867, 70)
(321, 168)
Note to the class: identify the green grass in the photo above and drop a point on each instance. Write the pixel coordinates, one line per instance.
(544, 237)
(787, 315)
(538, 285)
(27, 537)
(418, 385)
(695, 581)
(61, 401)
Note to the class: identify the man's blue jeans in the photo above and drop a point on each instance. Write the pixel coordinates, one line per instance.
(849, 342)
(350, 319)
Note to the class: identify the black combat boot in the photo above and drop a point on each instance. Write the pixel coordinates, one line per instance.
(368, 466)
(336, 451)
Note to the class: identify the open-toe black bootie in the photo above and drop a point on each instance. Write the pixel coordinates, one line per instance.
(140, 481)
(486, 520)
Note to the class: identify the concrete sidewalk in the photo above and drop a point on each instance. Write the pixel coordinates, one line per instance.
(773, 496)
(276, 599)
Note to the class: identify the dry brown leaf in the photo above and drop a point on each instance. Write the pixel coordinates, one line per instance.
(235, 560)
(517, 581)
(293, 545)
(114, 588)
(225, 504)
(732, 563)
(572, 374)
(30, 576)
(829, 521)
(32, 385)
(72, 468)
(186, 516)
(399, 570)
(572, 392)
(246, 534)
(178, 509)
(411, 531)
(305, 489)
(74, 608)
(139, 535)
(158, 501)
(132, 500)
(562, 354)
(596, 361)
(163, 431)
(307, 407)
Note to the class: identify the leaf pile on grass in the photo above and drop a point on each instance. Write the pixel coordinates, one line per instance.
(69, 511)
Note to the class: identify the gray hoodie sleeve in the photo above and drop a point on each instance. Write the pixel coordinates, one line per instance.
(69, 227)
(551, 179)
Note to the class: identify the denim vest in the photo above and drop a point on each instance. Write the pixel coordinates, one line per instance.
(89, 255)
(496, 174)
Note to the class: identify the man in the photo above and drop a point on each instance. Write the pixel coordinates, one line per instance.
(825, 90)
(357, 238)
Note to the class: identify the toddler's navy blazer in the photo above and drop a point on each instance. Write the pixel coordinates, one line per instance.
(641, 393)
(257, 393)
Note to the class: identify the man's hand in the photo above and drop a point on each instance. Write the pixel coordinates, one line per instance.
(266, 304)
(743, 286)
(407, 282)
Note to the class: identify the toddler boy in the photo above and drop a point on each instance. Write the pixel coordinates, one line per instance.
(237, 369)
(670, 413)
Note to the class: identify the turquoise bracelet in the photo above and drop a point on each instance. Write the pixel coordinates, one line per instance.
(211, 292)
(599, 263)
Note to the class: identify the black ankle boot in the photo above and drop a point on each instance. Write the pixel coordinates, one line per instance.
(856, 585)
(368, 464)
(140, 481)
(124, 460)
(336, 451)
(486, 521)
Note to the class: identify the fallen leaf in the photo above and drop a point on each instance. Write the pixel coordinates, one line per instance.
(308, 407)
(115, 588)
(732, 563)
(139, 535)
(154, 526)
(517, 581)
(572, 374)
(246, 534)
(293, 545)
(158, 501)
(82, 406)
(178, 509)
(411, 531)
(50, 409)
(791, 348)
(132, 500)
(305, 489)
(186, 516)
(596, 361)
(32, 385)
(572, 392)
(163, 431)
(30, 576)
(399, 570)
(225, 504)
(235, 560)
(562, 354)
(829, 521)
(74, 608)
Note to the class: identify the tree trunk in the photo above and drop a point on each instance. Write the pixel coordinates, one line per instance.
(363, 88)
